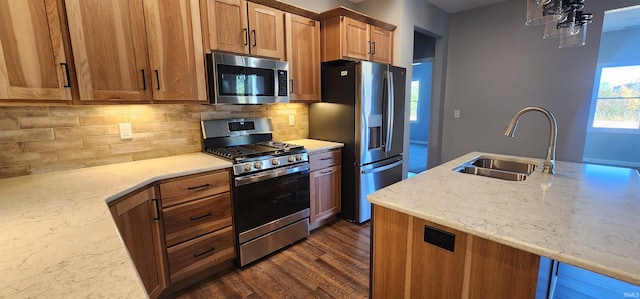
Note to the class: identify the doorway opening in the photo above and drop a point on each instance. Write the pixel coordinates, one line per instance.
(421, 81)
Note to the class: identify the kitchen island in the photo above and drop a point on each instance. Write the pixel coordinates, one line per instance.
(58, 237)
(583, 215)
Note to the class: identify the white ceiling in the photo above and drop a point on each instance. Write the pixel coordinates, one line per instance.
(453, 6)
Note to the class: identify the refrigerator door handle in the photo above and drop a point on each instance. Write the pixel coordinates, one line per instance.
(383, 168)
(390, 111)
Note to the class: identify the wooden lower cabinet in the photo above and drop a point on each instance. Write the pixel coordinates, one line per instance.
(324, 187)
(404, 265)
(178, 230)
(197, 222)
(136, 216)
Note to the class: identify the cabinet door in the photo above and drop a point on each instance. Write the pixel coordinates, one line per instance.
(303, 55)
(381, 45)
(174, 37)
(109, 49)
(137, 218)
(325, 193)
(32, 57)
(266, 26)
(355, 39)
(228, 26)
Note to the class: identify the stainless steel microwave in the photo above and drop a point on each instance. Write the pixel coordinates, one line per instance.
(236, 79)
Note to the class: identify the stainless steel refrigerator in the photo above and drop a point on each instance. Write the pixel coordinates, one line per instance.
(363, 107)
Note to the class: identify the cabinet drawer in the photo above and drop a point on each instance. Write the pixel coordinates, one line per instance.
(324, 159)
(196, 218)
(198, 254)
(179, 190)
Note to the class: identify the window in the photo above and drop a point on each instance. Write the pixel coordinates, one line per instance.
(618, 100)
(415, 92)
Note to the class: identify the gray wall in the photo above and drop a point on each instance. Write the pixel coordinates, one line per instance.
(497, 65)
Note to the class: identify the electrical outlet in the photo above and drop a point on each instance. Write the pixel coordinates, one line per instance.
(292, 120)
(125, 131)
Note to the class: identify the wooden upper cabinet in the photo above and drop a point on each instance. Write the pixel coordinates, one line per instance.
(33, 62)
(347, 38)
(245, 27)
(228, 25)
(176, 54)
(109, 49)
(137, 50)
(381, 45)
(355, 40)
(266, 26)
(303, 55)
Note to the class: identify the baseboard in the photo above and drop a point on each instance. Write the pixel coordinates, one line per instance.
(418, 142)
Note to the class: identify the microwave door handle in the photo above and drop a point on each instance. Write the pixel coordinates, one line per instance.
(390, 110)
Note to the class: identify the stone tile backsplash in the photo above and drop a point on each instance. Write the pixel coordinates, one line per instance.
(40, 139)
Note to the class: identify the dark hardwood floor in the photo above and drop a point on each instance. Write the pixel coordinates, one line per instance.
(333, 262)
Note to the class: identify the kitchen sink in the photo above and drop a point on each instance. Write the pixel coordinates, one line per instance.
(506, 165)
(497, 168)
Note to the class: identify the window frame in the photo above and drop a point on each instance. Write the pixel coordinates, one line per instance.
(594, 98)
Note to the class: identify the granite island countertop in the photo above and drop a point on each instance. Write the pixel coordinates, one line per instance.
(584, 215)
(58, 237)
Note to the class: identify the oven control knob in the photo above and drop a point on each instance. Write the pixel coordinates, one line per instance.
(247, 167)
(291, 158)
(298, 157)
(257, 165)
(275, 162)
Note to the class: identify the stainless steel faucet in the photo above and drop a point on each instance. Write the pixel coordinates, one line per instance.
(549, 163)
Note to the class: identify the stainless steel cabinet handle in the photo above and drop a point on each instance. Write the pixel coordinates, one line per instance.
(325, 158)
(373, 52)
(326, 171)
(246, 36)
(369, 51)
(290, 85)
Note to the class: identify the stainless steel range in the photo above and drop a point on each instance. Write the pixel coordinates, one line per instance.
(270, 184)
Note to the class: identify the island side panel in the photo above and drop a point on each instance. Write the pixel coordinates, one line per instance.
(389, 252)
(404, 265)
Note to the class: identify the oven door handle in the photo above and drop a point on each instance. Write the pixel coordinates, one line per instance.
(265, 175)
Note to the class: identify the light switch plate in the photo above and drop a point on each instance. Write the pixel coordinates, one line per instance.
(456, 113)
(292, 120)
(125, 131)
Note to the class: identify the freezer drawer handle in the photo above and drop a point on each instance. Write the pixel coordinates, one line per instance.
(383, 168)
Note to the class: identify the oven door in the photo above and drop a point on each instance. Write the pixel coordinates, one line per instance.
(269, 200)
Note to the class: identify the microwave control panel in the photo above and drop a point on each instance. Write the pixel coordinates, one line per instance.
(282, 84)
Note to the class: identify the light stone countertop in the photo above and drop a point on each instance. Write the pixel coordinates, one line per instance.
(58, 237)
(313, 145)
(584, 215)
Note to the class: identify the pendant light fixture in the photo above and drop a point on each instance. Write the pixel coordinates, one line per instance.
(563, 19)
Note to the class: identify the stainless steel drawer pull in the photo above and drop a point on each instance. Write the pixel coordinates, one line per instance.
(205, 252)
(198, 187)
(326, 158)
(200, 217)
(327, 171)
